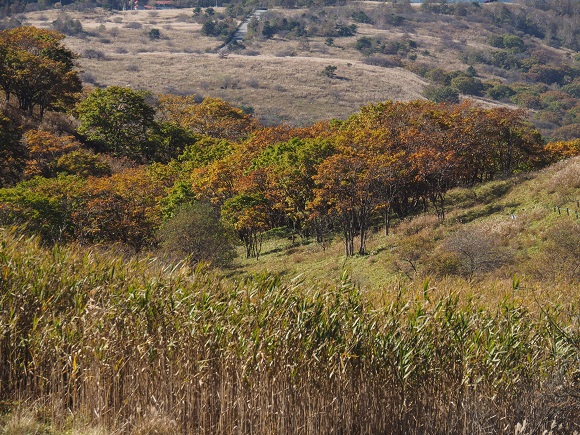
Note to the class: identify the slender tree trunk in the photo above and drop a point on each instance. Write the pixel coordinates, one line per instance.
(387, 220)
(363, 225)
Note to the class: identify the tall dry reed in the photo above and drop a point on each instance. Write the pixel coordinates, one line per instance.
(119, 344)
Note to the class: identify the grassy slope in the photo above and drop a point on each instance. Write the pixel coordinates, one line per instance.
(531, 198)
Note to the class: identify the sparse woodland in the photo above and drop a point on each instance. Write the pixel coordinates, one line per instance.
(171, 264)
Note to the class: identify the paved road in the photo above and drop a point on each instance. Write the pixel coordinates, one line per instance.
(243, 28)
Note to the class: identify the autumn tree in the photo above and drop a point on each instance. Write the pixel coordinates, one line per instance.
(563, 149)
(216, 182)
(212, 117)
(122, 208)
(289, 168)
(118, 120)
(513, 143)
(44, 149)
(247, 213)
(347, 187)
(37, 69)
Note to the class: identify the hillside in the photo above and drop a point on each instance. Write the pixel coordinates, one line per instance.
(176, 262)
(104, 343)
(526, 227)
(279, 73)
(280, 82)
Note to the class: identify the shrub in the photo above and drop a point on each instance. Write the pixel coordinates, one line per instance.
(133, 25)
(473, 250)
(384, 61)
(219, 28)
(342, 30)
(67, 25)
(329, 71)
(439, 76)
(467, 85)
(361, 17)
(365, 45)
(510, 42)
(441, 94)
(154, 34)
(499, 92)
(196, 232)
(91, 53)
(572, 89)
(560, 255)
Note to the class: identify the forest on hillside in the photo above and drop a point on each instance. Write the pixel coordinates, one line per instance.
(125, 165)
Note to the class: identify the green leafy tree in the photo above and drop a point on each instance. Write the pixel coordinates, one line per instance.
(500, 91)
(365, 45)
(118, 120)
(43, 206)
(205, 150)
(290, 167)
(467, 85)
(169, 139)
(441, 94)
(514, 43)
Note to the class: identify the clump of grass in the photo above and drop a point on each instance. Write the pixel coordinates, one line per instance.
(140, 345)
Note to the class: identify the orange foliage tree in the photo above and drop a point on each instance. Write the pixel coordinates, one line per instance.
(44, 149)
(397, 156)
(37, 69)
(212, 117)
(563, 149)
(121, 208)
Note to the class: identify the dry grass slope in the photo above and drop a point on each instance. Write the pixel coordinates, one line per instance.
(281, 81)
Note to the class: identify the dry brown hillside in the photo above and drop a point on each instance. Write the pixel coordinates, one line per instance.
(280, 78)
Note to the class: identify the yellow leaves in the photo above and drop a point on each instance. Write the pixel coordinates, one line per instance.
(45, 148)
(37, 68)
(121, 208)
(31, 39)
(212, 117)
(563, 149)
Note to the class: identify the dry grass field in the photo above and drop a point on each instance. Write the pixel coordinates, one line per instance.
(281, 79)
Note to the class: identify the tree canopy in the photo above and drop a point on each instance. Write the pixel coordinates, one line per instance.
(37, 69)
(118, 120)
